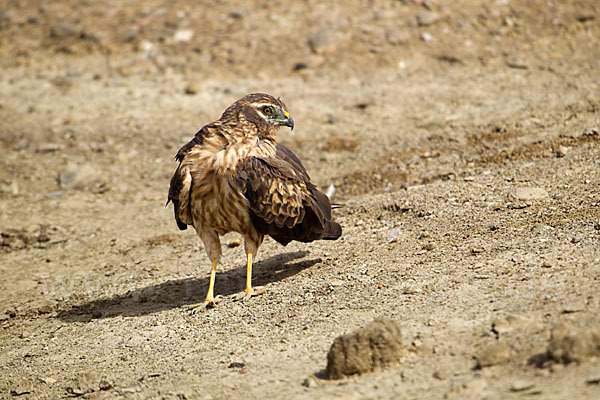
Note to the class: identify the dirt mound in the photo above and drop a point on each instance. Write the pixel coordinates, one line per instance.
(377, 345)
(571, 344)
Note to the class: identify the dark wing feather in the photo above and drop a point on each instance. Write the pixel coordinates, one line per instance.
(179, 189)
(284, 204)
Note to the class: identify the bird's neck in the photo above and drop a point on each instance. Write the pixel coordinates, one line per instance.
(226, 160)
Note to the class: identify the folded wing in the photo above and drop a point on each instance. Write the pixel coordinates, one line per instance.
(283, 203)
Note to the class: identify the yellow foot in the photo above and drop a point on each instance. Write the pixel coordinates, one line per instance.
(247, 294)
(208, 303)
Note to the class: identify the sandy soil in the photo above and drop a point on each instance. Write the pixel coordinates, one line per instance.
(462, 137)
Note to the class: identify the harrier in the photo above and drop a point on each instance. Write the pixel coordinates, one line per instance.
(233, 176)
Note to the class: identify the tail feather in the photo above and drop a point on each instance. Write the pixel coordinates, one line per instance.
(332, 230)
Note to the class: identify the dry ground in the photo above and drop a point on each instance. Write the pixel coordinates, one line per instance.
(427, 116)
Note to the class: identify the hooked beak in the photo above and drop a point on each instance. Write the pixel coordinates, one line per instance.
(289, 121)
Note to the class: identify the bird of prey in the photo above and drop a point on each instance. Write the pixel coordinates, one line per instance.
(233, 176)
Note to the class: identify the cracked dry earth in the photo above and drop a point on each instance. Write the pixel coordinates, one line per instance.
(469, 174)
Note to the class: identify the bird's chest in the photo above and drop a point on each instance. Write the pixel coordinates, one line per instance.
(218, 204)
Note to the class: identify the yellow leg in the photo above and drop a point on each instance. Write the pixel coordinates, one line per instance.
(249, 291)
(210, 298)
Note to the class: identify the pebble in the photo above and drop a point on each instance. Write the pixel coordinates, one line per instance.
(322, 41)
(83, 384)
(236, 364)
(501, 326)
(426, 37)
(48, 148)
(441, 375)
(183, 35)
(429, 246)
(427, 18)
(310, 382)
(76, 176)
(312, 61)
(517, 63)
(192, 88)
(562, 151)
(530, 193)
(394, 234)
(48, 380)
(574, 307)
(21, 144)
(593, 378)
(25, 335)
(520, 385)
(396, 37)
(63, 30)
(498, 353)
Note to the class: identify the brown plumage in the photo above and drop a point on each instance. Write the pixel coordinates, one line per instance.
(233, 176)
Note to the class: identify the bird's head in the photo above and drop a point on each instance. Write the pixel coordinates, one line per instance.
(264, 110)
(274, 114)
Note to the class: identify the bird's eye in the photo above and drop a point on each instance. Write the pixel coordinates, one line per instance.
(267, 110)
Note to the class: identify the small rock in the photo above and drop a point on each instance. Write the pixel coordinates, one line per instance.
(426, 37)
(474, 388)
(76, 176)
(562, 151)
(192, 88)
(501, 326)
(441, 375)
(520, 385)
(310, 382)
(426, 18)
(183, 35)
(574, 307)
(476, 384)
(593, 378)
(394, 234)
(312, 61)
(83, 384)
(48, 148)
(21, 144)
(477, 250)
(572, 344)
(48, 380)
(585, 17)
(530, 193)
(517, 63)
(377, 345)
(497, 354)
(63, 30)
(429, 246)
(25, 335)
(396, 37)
(410, 289)
(323, 41)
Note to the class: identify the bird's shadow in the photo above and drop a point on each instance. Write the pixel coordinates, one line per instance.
(181, 292)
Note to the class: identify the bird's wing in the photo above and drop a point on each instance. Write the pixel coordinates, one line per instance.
(181, 182)
(283, 202)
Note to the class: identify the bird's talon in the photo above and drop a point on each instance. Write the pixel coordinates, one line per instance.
(247, 294)
(209, 303)
(238, 296)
